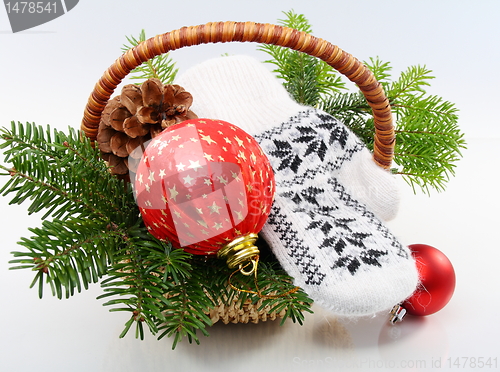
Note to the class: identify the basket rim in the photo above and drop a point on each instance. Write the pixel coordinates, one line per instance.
(264, 33)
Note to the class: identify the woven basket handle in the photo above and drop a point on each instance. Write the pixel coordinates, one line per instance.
(221, 32)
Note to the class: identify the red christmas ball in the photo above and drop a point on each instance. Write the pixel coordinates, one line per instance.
(203, 183)
(437, 281)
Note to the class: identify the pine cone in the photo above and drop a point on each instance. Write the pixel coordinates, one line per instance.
(137, 115)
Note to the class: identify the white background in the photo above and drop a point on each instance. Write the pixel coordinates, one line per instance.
(47, 74)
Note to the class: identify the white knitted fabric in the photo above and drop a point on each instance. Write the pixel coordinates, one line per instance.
(240, 90)
(325, 226)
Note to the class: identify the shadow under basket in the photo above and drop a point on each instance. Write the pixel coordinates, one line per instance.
(221, 32)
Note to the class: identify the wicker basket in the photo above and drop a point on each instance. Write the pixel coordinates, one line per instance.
(221, 32)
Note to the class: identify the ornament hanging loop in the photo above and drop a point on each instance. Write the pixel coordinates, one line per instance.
(243, 253)
(252, 270)
(240, 251)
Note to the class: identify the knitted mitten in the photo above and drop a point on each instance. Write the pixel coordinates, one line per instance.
(240, 90)
(325, 226)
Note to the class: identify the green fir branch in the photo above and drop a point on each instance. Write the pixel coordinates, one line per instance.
(159, 287)
(283, 295)
(61, 174)
(137, 282)
(68, 255)
(306, 78)
(428, 140)
(381, 70)
(96, 234)
(187, 311)
(161, 67)
(412, 81)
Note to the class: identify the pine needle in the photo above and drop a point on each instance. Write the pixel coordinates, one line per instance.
(161, 67)
(428, 139)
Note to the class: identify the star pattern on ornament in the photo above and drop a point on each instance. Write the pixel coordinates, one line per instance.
(242, 155)
(207, 139)
(239, 141)
(194, 165)
(188, 180)
(214, 208)
(236, 176)
(240, 215)
(222, 180)
(173, 193)
(151, 176)
(203, 177)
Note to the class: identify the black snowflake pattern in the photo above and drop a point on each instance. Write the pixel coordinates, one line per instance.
(303, 260)
(350, 263)
(313, 137)
(287, 156)
(314, 143)
(337, 233)
(310, 194)
(307, 138)
(338, 132)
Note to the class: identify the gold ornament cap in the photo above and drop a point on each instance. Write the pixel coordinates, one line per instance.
(240, 251)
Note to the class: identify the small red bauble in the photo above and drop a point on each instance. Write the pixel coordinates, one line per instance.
(437, 281)
(203, 184)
